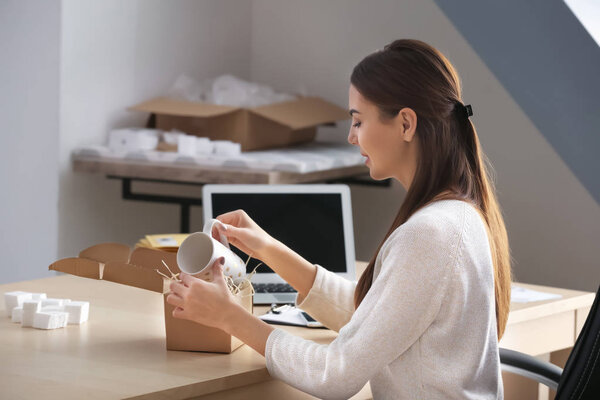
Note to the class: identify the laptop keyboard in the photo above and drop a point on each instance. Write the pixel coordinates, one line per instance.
(273, 288)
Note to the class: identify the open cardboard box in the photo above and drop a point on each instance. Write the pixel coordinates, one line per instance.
(117, 263)
(274, 125)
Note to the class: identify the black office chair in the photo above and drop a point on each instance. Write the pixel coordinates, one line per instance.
(580, 380)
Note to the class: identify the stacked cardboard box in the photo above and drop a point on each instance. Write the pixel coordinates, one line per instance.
(274, 125)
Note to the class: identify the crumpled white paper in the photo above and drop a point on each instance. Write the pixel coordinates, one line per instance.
(226, 90)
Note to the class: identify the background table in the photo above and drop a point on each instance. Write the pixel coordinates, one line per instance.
(120, 352)
(199, 174)
(129, 171)
(544, 329)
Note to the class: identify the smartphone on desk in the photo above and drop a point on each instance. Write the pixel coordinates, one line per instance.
(290, 315)
(311, 322)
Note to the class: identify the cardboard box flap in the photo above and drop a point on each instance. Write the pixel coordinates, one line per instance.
(79, 266)
(133, 275)
(303, 113)
(182, 108)
(105, 252)
(152, 259)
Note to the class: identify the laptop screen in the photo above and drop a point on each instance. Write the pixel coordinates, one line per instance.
(311, 224)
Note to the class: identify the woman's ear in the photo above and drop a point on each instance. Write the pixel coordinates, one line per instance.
(408, 123)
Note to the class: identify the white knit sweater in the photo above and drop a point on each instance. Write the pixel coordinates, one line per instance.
(425, 330)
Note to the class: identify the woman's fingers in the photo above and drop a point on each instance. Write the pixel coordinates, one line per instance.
(175, 300)
(231, 218)
(243, 233)
(218, 271)
(240, 235)
(203, 302)
(178, 288)
(219, 229)
(231, 231)
(188, 280)
(179, 313)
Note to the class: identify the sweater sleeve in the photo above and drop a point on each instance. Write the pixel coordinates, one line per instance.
(330, 299)
(403, 301)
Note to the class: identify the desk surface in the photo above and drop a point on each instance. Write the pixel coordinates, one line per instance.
(120, 352)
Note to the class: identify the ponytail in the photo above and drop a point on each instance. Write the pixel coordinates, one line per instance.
(451, 164)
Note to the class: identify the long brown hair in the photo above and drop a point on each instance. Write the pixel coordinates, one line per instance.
(451, 164)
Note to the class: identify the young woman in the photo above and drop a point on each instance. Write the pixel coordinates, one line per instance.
(424, 320)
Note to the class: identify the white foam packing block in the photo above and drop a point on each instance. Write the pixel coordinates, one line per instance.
(15, 299)
(132, 139)
(17, 315)
(45, 320)
(171, 137)
(38, 296)
(186, 145)
(226, 148)
(307, 157)
(54, 302)
(30, 307)
(63, 318)
(53, 308)
(78, 311)
(204, 146)
(50, 320)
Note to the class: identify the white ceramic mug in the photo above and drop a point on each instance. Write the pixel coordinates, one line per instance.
(200, 250)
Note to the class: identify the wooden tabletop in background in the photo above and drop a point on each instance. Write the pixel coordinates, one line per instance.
(200, 174)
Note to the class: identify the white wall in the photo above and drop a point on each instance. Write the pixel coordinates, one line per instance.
(118, 53)
(29, 82)
(553, 222)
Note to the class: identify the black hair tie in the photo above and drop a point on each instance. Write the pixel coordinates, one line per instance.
(467, 110)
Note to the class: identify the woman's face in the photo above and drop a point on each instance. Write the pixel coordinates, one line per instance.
(390, 146)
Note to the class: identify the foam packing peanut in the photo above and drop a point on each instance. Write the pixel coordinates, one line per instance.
(204, 146)
(53, 302)
(38, 296)
(53, 308)
(50, 320)
(226, 148)
(15, 299)
(30, 307)
(17, 315)
(78, 311)
(63, 318)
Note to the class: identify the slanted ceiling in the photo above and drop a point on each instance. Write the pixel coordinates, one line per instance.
(550, 65)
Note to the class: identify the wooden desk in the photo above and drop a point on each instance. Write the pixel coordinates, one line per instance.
(120, 352)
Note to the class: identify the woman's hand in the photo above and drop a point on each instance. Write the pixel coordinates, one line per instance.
(247, 236)
(207, 303)
(212, 304)
(242, 232)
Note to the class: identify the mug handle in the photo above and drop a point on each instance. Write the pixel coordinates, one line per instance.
(208, 228)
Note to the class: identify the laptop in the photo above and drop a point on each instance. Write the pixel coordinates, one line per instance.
(313, 220)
